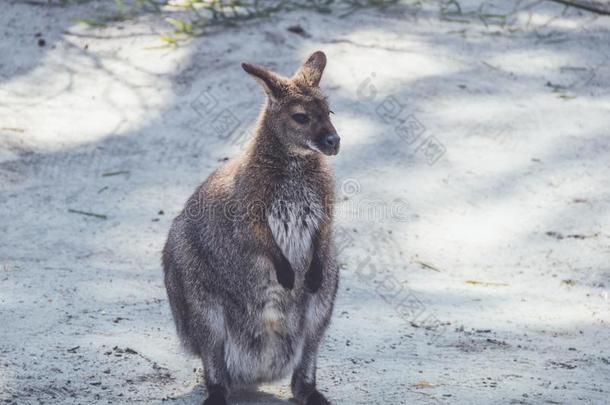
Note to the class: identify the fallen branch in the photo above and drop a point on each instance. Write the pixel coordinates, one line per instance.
(486, 284)
(89, 214)
(589, 5)
(427, 266)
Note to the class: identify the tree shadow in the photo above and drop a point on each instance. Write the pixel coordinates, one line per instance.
(95, 282)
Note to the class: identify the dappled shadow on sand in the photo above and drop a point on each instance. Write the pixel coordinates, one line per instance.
(93, 280)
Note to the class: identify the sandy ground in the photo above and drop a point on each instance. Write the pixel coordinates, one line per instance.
(473, 222)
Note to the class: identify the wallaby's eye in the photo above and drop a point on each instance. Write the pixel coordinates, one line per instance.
(331, 112)
(300, 118)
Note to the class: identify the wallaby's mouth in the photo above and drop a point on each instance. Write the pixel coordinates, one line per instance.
(332, 151)
(327, 150)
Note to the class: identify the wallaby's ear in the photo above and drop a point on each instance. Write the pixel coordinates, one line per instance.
(311, 71)
(272, 83)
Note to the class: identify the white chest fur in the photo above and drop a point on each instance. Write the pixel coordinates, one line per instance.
(293, 219)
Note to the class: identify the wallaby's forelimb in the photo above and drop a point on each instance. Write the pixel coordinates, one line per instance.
(315, 273)
(283, 269)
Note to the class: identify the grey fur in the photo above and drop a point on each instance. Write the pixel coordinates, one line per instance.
(220, 274)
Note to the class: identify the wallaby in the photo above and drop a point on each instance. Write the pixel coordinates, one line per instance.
(249, 264)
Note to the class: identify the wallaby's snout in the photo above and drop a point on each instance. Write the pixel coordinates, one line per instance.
(298, 108)
(329, 144)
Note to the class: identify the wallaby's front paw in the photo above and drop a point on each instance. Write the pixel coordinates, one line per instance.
(315, 398)
(286, 278)
(283, 271)
(313, 277)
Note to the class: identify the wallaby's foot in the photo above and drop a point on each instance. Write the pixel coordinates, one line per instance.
(306, 393)
(215, 400)
(216, 396)
(313, 277)
(315, 398)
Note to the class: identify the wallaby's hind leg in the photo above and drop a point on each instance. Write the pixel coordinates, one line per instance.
(215, 374)
(216, 396)
(303, 382)
(210, 338)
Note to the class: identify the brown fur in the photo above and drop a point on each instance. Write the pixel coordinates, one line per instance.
(249, 264)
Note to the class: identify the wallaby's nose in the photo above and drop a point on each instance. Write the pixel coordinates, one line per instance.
(332, 140)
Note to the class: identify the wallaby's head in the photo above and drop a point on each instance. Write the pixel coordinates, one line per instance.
(297, 111)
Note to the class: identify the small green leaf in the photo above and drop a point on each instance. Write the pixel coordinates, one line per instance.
(169, 39)
(182, 27)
